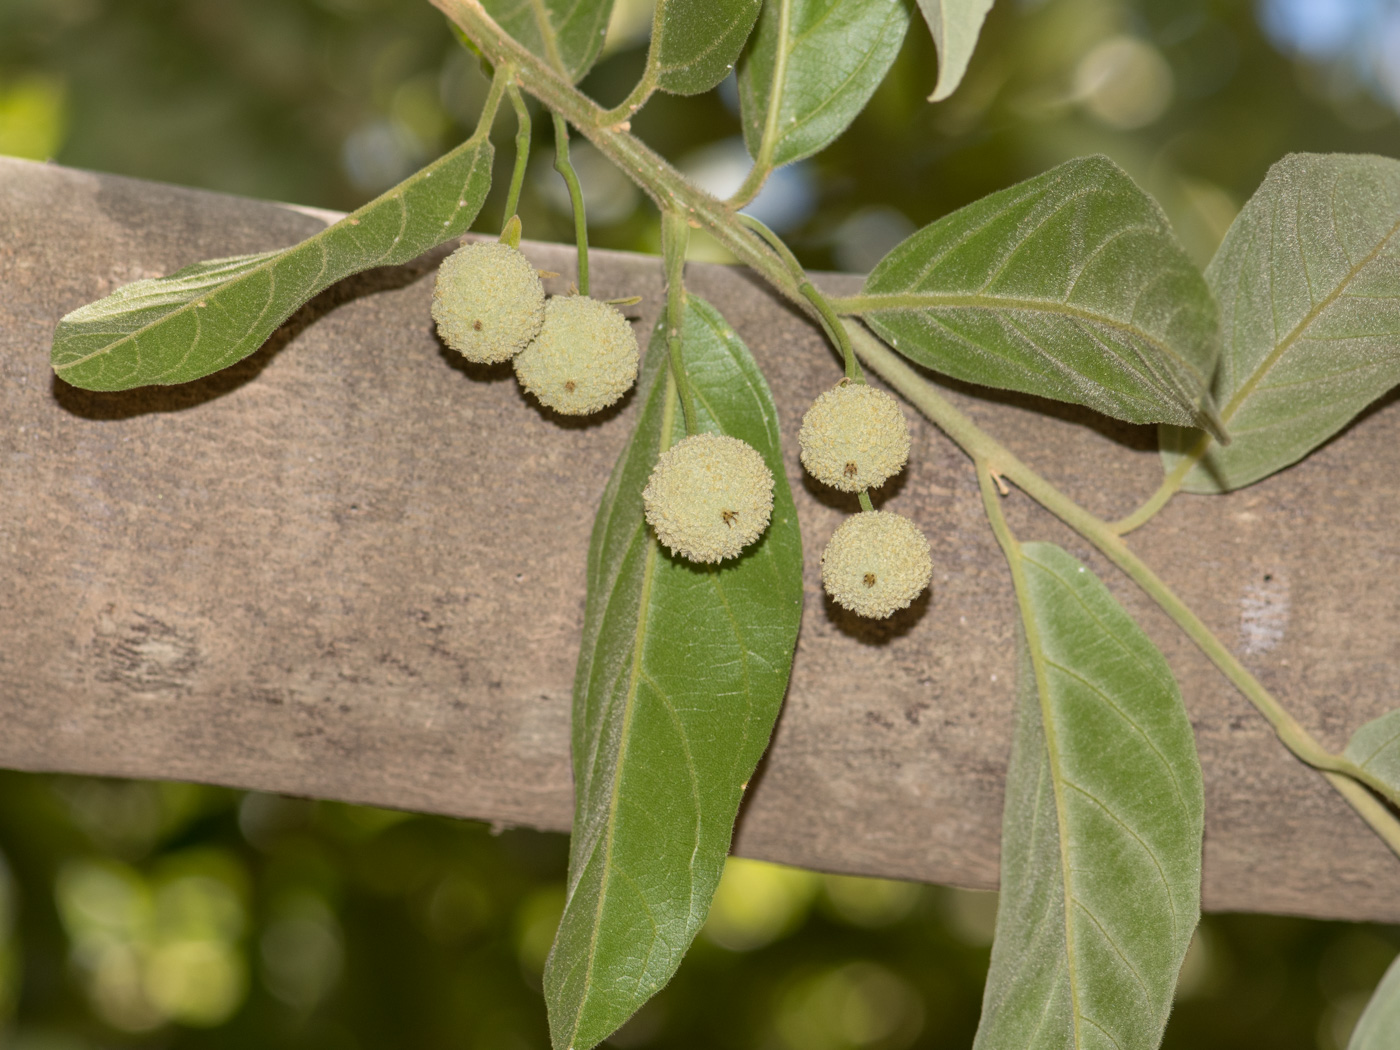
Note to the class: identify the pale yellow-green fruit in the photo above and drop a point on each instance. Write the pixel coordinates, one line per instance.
(709, 497)
(584, 358)
(488, 302)
(854, 437)
(876, 563)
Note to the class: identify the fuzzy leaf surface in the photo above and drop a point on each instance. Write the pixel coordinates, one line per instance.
(1101, 836)
(680, 678)
(1375, 747)
(955, 25)
(213, 314)
(1308, 280)
(695, 43)
(1379, 1025)
(568, 34)
(811, 68)
(1069, 285)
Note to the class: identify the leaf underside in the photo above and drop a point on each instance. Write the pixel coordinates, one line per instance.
(1379, 1025)
(568, 34)
(1101, 837)
(955, 25)
(213, 314)
(1375, 747)
(695, 43)
(1308, 280)
(1069, 285)
(680, 678)
(831, 56)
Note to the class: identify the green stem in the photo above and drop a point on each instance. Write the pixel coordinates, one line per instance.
(865, 503)
(768, 144)
(566, 169)
(522, 150)
(1169, 487)
(675, 236)
(986, 450)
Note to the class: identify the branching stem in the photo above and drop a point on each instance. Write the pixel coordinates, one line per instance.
(522, 149)
(566, 169)
(675, 236)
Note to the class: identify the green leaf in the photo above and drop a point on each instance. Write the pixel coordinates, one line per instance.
(1379, 1026)
(680, 677)
(1308, 279)
(1101, 837)
(695, 43)
(213, 314)
(954, 25)
(1375, 748)
(811, 68)
(1069, 285)
(568, 34)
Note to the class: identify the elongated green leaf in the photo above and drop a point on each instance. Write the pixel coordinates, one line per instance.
(1379, 1026)
(1069, 285)
(568, 34)
(811, 68)
(680, 678)
(1308, 279)
(1375, 747)
(695, 43)
(213, 314)
(955, 25)
(1101, 838)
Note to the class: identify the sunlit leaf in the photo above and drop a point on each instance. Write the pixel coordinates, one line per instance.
(568, 34)
(812, 67)
(1375, 747)
(680, 678)
(1308, 280)
(695, 43)
(955, 25)
(1069, 285)
(213, 314)
(1379, 1026)
(1101, 837)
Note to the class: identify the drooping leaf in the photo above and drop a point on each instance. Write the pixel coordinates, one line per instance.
(213, 314)
(1375, 747)
(568, 34)
(1069, 285)
(1101, 837)
(1308, 280)
(1379, 1025)
(680, 677)
(954, 25)
(695, 43)
(812, 67)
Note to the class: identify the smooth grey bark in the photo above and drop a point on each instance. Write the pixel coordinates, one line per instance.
(352, 567)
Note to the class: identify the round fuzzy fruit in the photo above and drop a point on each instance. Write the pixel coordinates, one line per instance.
(854, 438)
(709, 497)
(877, 562)
(584, 358)
(488, 302)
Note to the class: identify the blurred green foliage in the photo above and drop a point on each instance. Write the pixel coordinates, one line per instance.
(178, 916)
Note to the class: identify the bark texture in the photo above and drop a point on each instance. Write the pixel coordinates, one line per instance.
(352, 567)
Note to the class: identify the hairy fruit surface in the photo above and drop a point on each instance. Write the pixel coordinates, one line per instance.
(854, 437)
(709, 497)
(584, 358)
(876, 563)
(488, 302)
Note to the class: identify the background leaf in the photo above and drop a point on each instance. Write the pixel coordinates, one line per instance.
(213, 314)
(954, 25)
(1375, 747)
(1101, 839)
(568, 34)
(1069, 285)
(680, 678)
(1379, 1026)
(1308, 279)
(695, 43)
(821, 60)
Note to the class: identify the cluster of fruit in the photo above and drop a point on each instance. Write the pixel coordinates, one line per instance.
(709, 495)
